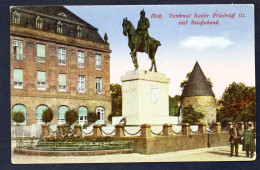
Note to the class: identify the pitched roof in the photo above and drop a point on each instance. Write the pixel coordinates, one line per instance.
(55, 11)
(51, 15)
(197, 84)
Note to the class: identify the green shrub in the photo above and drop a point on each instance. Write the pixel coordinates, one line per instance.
(47, 115)
(71, 116)
(110, 117)
(85, 126)
(92, 117)
(18, 117)
(191, 116)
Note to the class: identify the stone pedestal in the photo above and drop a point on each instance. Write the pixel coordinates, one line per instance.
(145, 98)
(202, 128)
(167, 129)
(216, 127)
(145, 130)
(185, 130)
(119, 132)
(97, 130)
(45, 130)
(78, 129)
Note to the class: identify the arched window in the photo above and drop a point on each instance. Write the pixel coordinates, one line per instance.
(100, 111)
(16, 17)
(83, 115)
(21, 108)
(62, 111)
(39, 111)
(39, 22)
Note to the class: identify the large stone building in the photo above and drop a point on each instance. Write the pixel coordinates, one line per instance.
(58, 61)
(198, 94)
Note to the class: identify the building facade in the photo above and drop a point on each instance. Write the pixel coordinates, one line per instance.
(198, 94)
(58, 61)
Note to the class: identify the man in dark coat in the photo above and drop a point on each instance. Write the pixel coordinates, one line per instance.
(234, 139)
(249, 141)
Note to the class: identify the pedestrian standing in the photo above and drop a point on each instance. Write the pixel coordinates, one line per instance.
(249, 141)
(234, 139)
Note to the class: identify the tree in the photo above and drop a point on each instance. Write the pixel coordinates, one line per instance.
(47, 115)
(189, 115)
(116, 95)
(221, 117)
(92, 117)
(110, 117)
(18, 117)
(173, 105)
(239, 102)
(184, 82)
(71, 116)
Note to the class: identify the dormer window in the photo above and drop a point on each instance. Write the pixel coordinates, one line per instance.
(59, 27)
(79, 31)
(16, 17)
(62, 14)
(39, 22)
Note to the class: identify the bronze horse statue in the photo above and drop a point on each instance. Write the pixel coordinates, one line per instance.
(135, 44)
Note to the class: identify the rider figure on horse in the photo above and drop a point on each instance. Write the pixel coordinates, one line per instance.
(142, 30)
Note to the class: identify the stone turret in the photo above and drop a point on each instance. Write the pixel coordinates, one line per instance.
(198, 94)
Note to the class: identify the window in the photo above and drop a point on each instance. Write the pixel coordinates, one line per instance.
(62, 56)
(79, 31)
(18, 78)
(99, 85)
(62, 14)
(39, 22)
(59, 27)
(81, 84)
(40, 53)
(16, 17)
(98, 61)
(62, 82)
(18, 50)
(21, 108)
(100, 111)
(62, 111)
(83, 115)
(81, 59)
(39, 111)
(41, 80)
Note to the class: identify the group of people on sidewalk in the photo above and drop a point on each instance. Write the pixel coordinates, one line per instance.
(246, 138)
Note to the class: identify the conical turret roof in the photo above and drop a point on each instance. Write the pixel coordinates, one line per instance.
(197, 84)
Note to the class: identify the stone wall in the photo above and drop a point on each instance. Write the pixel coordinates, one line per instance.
(218, 139)
(204, 104)
(160, 144)
(164, 144)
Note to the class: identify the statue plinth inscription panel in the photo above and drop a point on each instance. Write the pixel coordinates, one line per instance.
(145, 98)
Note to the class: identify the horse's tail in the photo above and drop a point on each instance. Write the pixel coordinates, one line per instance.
(156, 42)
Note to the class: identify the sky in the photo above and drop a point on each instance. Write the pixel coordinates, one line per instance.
(225, 51)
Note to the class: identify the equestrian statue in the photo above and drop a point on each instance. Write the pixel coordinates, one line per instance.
(140, 41)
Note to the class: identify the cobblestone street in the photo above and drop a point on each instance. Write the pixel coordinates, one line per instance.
(207, 154)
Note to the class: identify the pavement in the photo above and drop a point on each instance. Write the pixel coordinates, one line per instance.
(196, 155)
